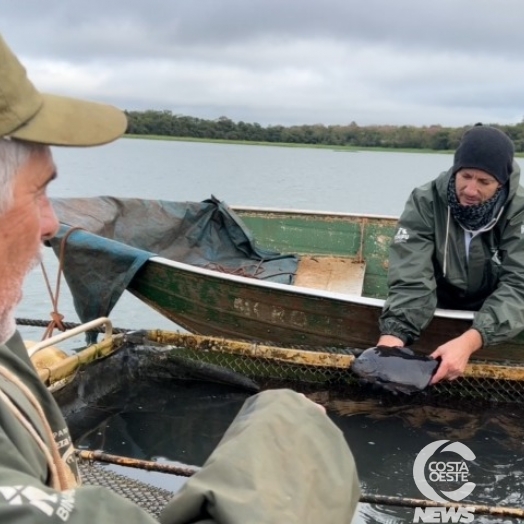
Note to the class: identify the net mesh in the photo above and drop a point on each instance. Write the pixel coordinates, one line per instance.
(264, 369)
(149, 498)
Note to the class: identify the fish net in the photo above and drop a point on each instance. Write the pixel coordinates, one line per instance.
(214, 358)
(261, 370)
(149, 498)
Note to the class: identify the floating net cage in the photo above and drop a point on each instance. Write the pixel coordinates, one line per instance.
(160, 354)
(303, 366)
(165, 356)
(466, 388)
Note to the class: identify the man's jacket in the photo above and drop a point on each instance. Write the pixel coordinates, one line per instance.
(429, 266)
(282, 460)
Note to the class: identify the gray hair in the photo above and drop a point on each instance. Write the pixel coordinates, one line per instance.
(13, 155)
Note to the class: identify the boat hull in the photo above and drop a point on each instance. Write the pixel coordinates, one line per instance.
(207, 295)
(225, 306)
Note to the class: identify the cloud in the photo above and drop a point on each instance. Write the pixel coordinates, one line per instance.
(273, 62)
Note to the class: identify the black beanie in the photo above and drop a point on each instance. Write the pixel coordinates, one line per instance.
(486, 148)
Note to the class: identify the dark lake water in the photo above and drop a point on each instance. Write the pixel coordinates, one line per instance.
(183, 422)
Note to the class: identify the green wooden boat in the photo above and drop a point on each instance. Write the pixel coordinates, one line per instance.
(335, 297)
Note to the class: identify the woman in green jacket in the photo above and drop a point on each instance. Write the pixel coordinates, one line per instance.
(460, 245)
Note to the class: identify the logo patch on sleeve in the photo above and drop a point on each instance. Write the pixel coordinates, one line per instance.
(401, 235)
(59, 504)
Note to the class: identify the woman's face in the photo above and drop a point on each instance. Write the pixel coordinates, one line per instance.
(474, 186)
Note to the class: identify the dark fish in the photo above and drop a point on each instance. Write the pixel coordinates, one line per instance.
(205, 371)
(169, 364)
(395, 368)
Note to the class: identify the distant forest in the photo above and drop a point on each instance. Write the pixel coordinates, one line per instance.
(437, 138)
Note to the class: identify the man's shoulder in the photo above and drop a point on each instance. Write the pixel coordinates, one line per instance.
(437, 186)
(14, 356)
(15, 345)
(516, 203)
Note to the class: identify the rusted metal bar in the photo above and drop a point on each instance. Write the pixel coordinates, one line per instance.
(305, 357)
(188, 471)
(65, 368)
(149, 465)
(424, 503)
(255, 350)
(496, 372)
(315, 359)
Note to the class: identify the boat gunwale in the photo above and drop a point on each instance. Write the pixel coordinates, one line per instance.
(311, 212)
(355, 299)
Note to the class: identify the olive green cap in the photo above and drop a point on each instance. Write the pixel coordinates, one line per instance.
(27, 114)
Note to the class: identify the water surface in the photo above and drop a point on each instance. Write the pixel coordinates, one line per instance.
(184, 422)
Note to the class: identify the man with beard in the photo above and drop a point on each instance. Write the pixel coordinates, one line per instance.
(282, 459)
(460, 245)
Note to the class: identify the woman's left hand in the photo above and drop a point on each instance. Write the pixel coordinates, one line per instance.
(455, 355)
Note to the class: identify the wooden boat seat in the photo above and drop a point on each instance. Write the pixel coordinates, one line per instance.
(338, 274)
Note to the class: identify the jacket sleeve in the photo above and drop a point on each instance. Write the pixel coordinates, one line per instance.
(501, 317)
(25, 500)
(282, 460)
(412, 298)
(25, 497)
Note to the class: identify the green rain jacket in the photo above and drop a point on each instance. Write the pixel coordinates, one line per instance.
(429, 266)
(282, 460)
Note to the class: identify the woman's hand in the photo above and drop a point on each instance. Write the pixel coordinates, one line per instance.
(455, 355)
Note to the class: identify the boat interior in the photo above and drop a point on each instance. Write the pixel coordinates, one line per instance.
(337, 274)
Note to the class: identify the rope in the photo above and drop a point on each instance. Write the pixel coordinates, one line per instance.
(67, 325)
(244, 271)
(62, 477)
(241, 271)
(56, 316)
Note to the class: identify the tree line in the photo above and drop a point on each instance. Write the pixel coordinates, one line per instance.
(435, 137)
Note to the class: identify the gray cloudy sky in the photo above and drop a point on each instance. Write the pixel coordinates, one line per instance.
(420, 62)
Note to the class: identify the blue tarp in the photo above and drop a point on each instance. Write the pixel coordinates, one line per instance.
(97, 271)
(120, 235)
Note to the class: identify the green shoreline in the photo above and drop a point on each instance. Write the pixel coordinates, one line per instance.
(348, 149)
